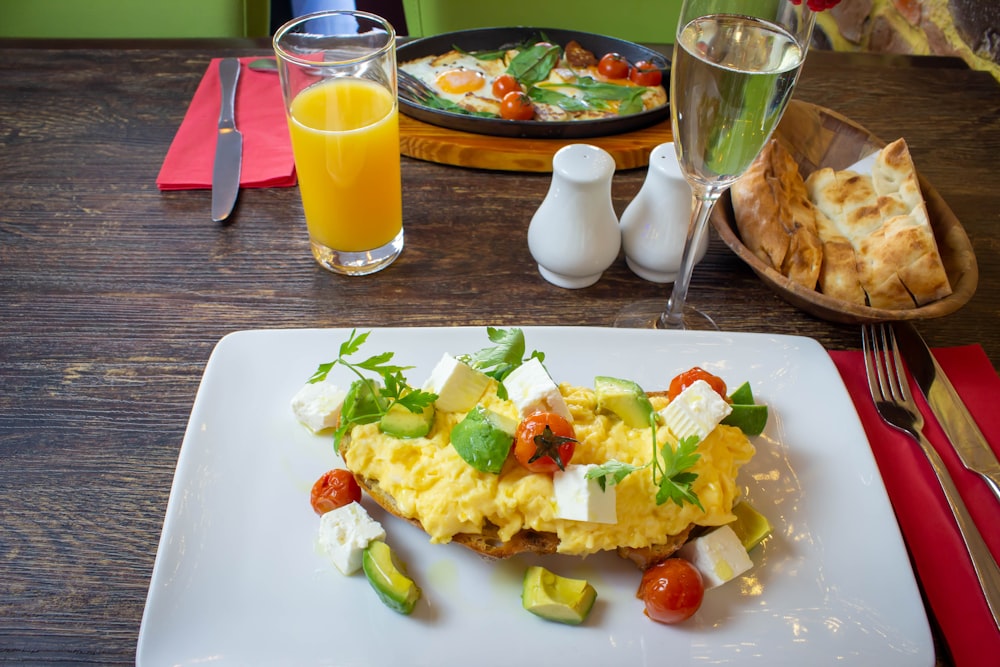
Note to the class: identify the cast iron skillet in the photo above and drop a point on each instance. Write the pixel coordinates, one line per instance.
(493, 38)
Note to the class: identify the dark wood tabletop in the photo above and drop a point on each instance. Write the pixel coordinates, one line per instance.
(113, 294)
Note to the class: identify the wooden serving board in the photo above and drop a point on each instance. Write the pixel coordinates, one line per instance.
(424, 141)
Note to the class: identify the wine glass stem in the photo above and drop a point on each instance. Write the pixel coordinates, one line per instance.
(704, 198)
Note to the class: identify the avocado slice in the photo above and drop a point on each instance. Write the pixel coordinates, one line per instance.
(360, 405)
(743, 395)
(556, 598)
(746, 416)
(750, 526)
(483, 439)
(402, 423)
(751, 419)
(624, 398)
(396, 590)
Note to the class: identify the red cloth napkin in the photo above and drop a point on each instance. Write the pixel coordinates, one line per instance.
(939, 556)
(260, 117)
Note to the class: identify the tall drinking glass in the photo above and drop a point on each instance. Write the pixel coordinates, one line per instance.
(338, 80)
(735, 64)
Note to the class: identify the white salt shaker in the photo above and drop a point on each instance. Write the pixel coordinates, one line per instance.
(654, 225)
(574, 234)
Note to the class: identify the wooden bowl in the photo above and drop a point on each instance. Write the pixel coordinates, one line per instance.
(818, 137)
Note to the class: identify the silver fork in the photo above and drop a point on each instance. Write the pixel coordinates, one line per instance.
(412, 88)
(890, 390)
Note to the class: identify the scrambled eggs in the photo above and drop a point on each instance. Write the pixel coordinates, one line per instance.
(432, 484)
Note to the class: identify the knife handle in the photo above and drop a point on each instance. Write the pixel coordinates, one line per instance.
(229, 74)
(987, 570)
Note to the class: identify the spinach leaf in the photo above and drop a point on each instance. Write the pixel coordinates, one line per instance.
(534, 63)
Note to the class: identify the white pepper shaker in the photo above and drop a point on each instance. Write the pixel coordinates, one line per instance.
(654, 225)
(574, 235)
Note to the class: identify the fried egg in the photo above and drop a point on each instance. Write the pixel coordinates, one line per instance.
(460, 78)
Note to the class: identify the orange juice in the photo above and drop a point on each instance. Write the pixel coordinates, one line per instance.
(345, 136)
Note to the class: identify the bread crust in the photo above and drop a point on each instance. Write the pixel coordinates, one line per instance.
(775, 217)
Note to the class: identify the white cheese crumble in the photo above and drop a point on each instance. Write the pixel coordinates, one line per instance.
(581, 499)
(532, 390)
(458, 385)
(344, 533)
(718, 555)
(696, 411)
(318, 405)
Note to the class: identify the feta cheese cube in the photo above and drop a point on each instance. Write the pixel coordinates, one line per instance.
(581, 499)
(344, 533)
(317, 405)
(696, 411)
(458, 385)
(718, 555)
(532, 390)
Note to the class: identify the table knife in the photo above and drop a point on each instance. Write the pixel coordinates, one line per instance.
(961, 429)
(228, 146)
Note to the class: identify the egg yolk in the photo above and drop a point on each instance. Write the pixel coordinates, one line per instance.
(459, 81)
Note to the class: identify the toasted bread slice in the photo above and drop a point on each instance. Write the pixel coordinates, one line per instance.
(488, 544)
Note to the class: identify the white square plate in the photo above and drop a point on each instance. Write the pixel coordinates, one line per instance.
(238, 581)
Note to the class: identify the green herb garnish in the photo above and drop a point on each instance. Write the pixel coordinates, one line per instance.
(545, 95)
(369, 399)
(434, 101)
(534, 63)
(500, 360)
(595, 93)
(671, 469)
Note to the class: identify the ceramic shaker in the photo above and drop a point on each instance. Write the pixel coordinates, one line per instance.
(654, 225)
(574, 234)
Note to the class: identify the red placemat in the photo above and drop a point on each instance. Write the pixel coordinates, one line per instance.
(939, 556)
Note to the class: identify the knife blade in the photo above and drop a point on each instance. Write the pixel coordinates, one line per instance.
(961, 429)
(228, 146)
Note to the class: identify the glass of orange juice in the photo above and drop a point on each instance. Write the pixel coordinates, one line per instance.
(338, 80)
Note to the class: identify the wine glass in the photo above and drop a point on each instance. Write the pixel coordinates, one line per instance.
(735, 64)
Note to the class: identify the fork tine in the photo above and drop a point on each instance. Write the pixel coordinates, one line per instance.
(902, 383)
(874, 365)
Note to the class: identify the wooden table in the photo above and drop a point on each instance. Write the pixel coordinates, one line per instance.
(112, 294)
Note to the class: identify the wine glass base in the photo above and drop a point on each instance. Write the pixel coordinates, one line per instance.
(646, 315)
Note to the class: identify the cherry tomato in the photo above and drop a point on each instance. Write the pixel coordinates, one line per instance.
(645, 73)
(689, 377)
(516, 105)
(503, 84)
(613, 66)
(334, 489)
(544, 442)
(672, 591)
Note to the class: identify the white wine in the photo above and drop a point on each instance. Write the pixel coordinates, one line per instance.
(737, 74)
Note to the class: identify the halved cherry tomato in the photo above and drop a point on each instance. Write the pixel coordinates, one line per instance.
(689, 377)
(334, 489)
(544, 442)
(672, 591)
(645, 73)
(503, 84)
(613, 66)
(516, 105)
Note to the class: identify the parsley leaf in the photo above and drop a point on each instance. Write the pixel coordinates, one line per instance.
(611, 473)
(676, 480)
(368, 399)
(670, 469)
